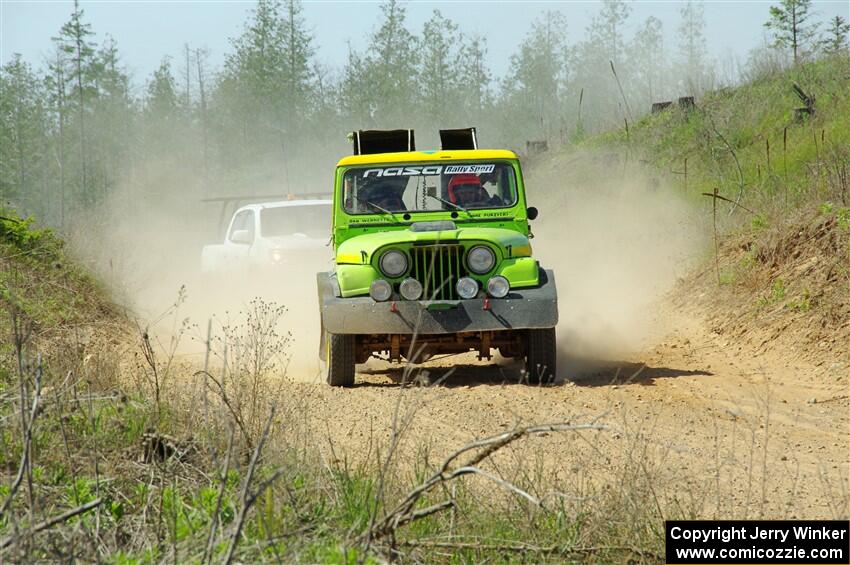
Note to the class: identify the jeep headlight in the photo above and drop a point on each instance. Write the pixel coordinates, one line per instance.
(481, 259)
(380, 290)
(393, 263)
(410, 289)
(498, 286)
(467, 287)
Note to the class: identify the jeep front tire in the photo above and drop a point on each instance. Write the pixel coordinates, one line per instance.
(339, 359)
(541, 356)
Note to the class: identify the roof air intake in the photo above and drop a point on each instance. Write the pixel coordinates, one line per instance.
(453, 139)
(369, 142)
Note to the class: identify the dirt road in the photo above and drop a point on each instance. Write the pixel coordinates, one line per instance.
(705, 419)
(714, 431)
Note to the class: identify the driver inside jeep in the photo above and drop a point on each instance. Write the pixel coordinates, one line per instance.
(385, 195)
(466, 191)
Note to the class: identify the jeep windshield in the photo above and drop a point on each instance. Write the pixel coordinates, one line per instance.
(428, 187)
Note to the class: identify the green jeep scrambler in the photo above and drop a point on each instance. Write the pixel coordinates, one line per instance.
(432, 257)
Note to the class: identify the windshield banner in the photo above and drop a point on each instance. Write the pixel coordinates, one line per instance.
(429, 170)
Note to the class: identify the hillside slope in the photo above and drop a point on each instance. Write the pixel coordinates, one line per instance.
(776, 270)
(51, 298)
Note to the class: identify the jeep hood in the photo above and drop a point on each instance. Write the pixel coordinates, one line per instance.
(359, 250)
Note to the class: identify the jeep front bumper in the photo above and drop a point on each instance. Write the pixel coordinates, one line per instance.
(524, 308)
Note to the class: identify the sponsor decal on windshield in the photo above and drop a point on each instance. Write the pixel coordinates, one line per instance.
(469, 169)
(414, 171)
(403, 171)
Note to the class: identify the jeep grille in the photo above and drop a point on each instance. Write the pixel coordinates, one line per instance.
(438, 267)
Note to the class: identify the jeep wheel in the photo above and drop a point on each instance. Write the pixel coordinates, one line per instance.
(541, 355)
(339, 359)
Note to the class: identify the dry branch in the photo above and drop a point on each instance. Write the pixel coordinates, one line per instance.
(247, 497)
(26, 452)
(622, 93)
(715, 195)
(215, 518)
(530, 548)
(404, 512)
(228, 403)
(47, 524)
(731, 149)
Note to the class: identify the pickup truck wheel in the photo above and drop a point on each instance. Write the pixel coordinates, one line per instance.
(339, 359)
(541, 356)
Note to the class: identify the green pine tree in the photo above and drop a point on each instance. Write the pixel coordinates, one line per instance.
(74, 40)
(391, 65)
(476, 88)
(647, 60)
(22, 134)
(692, 68)
(532, 90)
(438, 84)
(790, 25)
(835, 40)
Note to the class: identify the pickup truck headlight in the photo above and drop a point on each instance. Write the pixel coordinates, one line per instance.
(481, 259)
(393, 263)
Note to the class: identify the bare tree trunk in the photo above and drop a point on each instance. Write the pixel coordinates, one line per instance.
(60, 98)
(794, 30)
(188, 76)
(20, 143)
(198, 56)
(78, 39)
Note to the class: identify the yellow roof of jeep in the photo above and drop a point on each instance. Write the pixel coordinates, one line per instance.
(425, 156)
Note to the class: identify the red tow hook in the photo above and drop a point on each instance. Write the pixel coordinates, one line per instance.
(486, 303)
(393, 307)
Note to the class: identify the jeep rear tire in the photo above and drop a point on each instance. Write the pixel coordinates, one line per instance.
(339, 359)
(541, 356)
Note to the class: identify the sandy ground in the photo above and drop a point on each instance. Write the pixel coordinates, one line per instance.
(709, 421)
(719, 432)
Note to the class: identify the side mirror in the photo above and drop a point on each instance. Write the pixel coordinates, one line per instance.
(532, 213)
(241, 236)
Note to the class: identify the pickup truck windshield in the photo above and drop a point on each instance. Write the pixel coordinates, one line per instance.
(428, 187)
(310, 220)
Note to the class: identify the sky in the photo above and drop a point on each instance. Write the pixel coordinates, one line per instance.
(145, 31)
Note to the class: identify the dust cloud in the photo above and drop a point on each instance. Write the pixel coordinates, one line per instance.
(617, 238)
(149, 256)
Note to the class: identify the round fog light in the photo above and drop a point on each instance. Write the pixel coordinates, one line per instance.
(380, 290)
(498, 287)
(410, 289)
(467, 287)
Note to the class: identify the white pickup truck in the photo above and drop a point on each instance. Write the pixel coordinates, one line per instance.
(272, 235)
